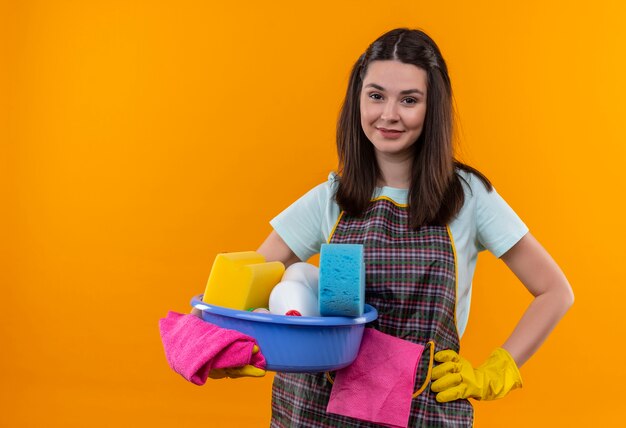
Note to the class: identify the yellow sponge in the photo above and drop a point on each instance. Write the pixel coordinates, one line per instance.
(242, 280)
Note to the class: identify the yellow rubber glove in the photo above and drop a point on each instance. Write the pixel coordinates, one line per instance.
(235, 372)
(455, 378)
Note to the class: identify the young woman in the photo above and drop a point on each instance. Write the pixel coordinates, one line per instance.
(422, 217)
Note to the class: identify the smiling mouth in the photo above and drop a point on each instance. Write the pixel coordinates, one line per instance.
(391, 134)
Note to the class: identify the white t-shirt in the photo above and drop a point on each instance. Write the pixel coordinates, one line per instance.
(485, 221)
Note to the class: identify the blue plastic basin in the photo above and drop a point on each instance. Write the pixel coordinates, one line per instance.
(295, 344)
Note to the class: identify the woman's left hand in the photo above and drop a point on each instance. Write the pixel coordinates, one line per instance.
(455, 378)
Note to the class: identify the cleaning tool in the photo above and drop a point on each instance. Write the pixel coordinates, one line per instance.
(293, 296)
(455, 378)
(295, 344)
(378, 386)
(193, 348)
(242, 280)
(305, 273)
(341, 280)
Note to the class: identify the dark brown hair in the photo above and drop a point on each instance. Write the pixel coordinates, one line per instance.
(435, 193)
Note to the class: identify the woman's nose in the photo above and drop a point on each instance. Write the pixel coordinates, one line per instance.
(390, 112)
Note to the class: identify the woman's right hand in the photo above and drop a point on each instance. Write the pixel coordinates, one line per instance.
(274, 249)
(235, 372)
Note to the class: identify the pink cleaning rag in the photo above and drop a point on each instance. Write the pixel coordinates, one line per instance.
(378, 386)
(193, 347)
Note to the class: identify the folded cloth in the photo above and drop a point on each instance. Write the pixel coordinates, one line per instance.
(194, 347)
(378, 386)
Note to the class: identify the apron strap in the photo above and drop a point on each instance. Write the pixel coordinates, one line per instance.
(430, 369)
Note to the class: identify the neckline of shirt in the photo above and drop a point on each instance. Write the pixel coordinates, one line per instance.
(398, 195)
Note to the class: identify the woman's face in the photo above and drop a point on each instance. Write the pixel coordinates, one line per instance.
(393, 98)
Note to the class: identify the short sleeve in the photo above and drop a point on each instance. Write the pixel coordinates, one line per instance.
(301, 225)
(498, 226)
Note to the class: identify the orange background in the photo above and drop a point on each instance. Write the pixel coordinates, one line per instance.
(140, 138)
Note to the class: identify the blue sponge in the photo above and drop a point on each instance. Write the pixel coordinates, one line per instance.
(341, 280)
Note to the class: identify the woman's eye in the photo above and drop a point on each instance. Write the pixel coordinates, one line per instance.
(409, 100)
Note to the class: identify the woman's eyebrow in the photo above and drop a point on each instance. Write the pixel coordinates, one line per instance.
(406, 91)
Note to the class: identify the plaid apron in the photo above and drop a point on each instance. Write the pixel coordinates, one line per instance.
(411, 281)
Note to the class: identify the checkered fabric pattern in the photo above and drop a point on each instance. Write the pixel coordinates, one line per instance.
(411, 281)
